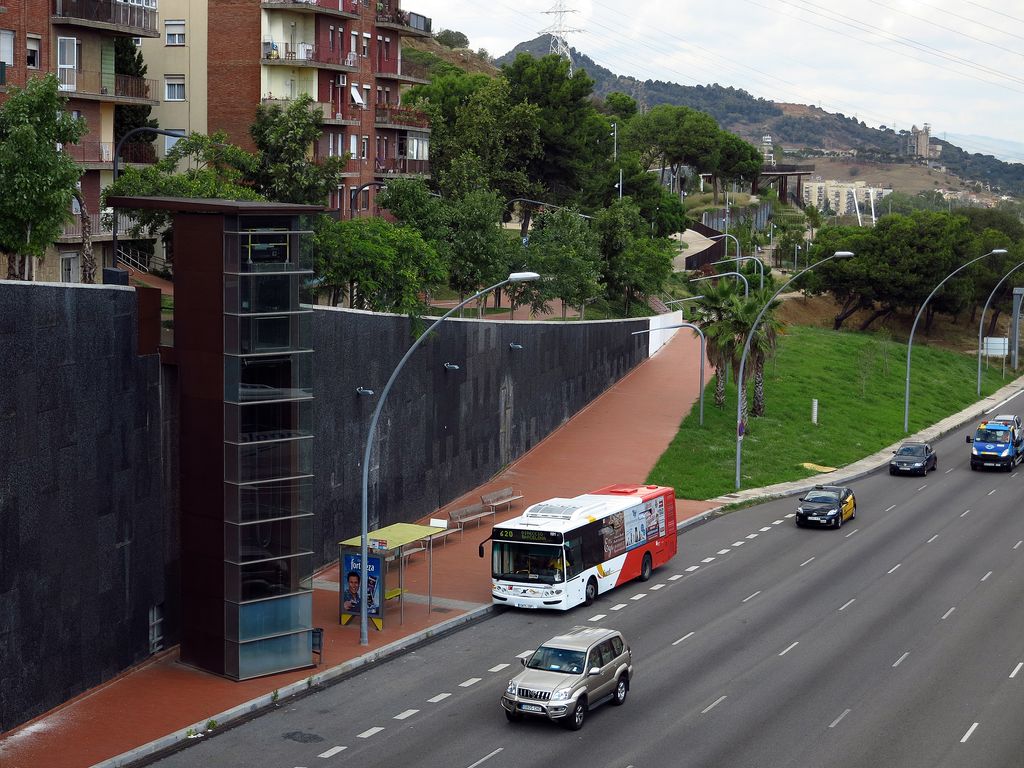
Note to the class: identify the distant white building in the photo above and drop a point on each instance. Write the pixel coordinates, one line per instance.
(842, 197)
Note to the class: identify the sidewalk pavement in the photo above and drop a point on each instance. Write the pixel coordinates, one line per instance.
(617, 438)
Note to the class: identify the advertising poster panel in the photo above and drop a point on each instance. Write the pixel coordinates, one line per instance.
(351, 575)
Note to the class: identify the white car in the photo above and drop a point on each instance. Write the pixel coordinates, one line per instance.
(1008, 418)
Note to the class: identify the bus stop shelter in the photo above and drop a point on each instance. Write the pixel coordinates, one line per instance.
(384, 545)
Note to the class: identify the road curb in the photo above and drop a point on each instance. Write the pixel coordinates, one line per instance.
(316, 678)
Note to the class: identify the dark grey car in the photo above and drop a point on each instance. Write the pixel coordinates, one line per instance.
(913, 459)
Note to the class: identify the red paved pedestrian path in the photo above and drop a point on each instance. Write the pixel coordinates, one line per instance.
(617, 438)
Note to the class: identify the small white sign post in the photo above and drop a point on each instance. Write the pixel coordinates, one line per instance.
(996, 346)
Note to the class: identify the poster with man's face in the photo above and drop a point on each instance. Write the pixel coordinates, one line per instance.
(351, 575)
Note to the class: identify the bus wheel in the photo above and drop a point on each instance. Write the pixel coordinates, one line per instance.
(646, 567)
(591, 594)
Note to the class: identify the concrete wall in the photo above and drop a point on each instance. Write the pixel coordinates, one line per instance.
(443, 432)
(82, 525)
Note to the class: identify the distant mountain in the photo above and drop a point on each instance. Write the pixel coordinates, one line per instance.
(1007, 151)
(794, 126)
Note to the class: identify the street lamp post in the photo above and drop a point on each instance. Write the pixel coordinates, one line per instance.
(910, 341)
(735, 241)
(515, 277)
(796, 250)
(981, 322)
(740, 275)
(746, 350)
(117, 154)
(702, 345)
(757, 261)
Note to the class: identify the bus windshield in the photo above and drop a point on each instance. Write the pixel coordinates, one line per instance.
(517, 561)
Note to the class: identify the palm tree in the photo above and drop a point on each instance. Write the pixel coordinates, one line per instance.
(714, 316)
(762, 343)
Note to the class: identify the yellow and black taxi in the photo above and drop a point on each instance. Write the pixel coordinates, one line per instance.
(826, 505)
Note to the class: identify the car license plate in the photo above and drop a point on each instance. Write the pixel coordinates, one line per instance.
(814, 519)
(531, 707)
(525, 605)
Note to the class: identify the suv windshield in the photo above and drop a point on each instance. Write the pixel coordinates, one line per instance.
(911, 450)
(822, 497)
(557, 660)
(992, 436)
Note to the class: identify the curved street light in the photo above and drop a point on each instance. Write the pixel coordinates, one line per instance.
(735, 241)
(981, 323)
(740, 275)
(515, 277)
(757, 261)
(910, 341)
(703, 343)
(746, 350)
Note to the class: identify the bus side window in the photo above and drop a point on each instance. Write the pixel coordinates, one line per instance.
(592, 545)
(573, 556)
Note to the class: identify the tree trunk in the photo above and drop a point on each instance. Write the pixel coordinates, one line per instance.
(878, 313)
(12, 266)
(88, 260)
(524, 228)
(719, 387)
(992, 322)
(759, 388)
(852, 305)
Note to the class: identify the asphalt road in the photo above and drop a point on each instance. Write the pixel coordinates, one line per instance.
(895, 641)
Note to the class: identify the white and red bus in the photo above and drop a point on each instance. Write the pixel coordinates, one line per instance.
(563, 552)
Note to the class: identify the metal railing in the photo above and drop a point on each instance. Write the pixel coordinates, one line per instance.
(401, 165)
(406, 19)
(401, 116)
(119, 14)
(109, 84)
(346, 6)
(98, 227)
(406, 68)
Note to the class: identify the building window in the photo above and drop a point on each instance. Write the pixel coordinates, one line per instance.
(365, 51)
(32, 45)
(174, 32)
(365, 147)
(353, 146)
(67, 63)
(7, 47)
(170, 141)
(355, 42)
(174, 87)
(330, 39)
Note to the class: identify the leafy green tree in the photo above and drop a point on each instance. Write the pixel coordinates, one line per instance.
(735, 160)
(478, 246)
(283, 170)
(564, 249)
(675, 136)
(38, 179)
(633, 263)
(128, 61)
(452, 39)
(744, 311)
(620, 105)
(380, 266)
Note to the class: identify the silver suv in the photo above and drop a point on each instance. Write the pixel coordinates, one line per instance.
(569, 674)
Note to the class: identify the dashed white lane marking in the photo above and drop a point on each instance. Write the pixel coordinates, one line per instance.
(900, 659)
(1015, 546)
(524, 654)
(369, 732)
(641, 596)
(690, 634)
(497, 668)
(948, 471)
(1016, 669)
(332, 752)
(923, 487)
(790, 648)
(407, 713)
(597, 617)
(752, 596)
(991, 492)
(965, 513)
(946, 614)
(487, 757)
(766, 528)
(894, 567)
(778, 522)
(469, 682)
(851, 533)
(708, 560)
(712, 705)
(692, 568)
(969, 732)
(752, 535)
(738, 543)
(890, 508)
(656, 587)
(676, 577)
(1013, 475)
(618, 607)
(986, 575)
(723, 551)
(791, 514)
(805, 562)
(848, 603)
(933, 538)
(836, 721)
(442, 696)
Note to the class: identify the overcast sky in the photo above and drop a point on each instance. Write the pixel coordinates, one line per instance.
(955, 64)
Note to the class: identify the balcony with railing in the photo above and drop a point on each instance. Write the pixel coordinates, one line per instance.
(108, 86)
(99, 226)
(398, 165)
(348, 7)
(413, 24)
(390, 114)
(401, 69)
(138, 20)
(90, 152)
(308, 54)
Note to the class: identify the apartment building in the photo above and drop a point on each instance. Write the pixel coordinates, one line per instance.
(219, 61)
(842, 197)
(75, 40)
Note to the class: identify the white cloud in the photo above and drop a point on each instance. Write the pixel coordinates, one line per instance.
(956, 64)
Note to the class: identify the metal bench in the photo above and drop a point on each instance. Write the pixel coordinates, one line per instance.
(463, 515)
(502, 497)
